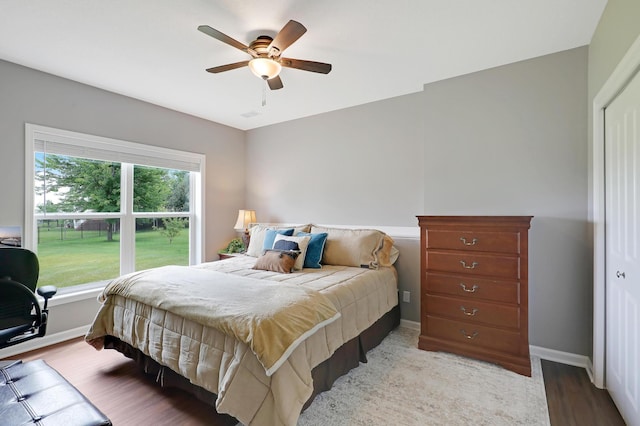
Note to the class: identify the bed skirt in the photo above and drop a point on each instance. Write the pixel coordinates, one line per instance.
(345, 358)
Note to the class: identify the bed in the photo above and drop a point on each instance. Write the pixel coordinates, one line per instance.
(253, 340)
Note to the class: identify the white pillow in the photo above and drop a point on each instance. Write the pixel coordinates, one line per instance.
(257, 240)
(301, 242)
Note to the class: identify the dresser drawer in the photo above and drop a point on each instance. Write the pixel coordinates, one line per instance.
(472, 335)
(473, 288)
(473, 311)
(500, 242)
(473, 263)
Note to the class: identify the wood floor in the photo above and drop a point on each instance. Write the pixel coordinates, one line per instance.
(115, 385)
(574, 400)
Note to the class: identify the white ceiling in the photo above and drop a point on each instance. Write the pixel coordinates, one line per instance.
(151, 49)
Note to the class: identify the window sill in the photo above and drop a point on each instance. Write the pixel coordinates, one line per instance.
(75, 294)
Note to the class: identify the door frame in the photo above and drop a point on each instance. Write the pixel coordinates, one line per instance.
(619, 78)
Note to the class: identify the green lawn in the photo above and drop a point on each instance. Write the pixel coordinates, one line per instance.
(69, 257)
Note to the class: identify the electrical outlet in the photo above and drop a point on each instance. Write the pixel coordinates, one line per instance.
(406, 296)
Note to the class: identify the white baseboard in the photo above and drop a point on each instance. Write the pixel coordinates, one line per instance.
(564, 358)
(414, 325)
(589, 369)
(48, 340)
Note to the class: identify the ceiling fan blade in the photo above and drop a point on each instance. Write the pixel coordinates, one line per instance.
(292, 31)
(319, 67)
(227, 67)
(275, 83)
(222, 37)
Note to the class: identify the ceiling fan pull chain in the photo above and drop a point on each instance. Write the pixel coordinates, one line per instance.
(264, 93)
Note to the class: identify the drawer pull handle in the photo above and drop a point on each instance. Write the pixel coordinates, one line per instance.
(472, 266)
(471, 290)
(469, 336)
(472, 243)
(469, 314)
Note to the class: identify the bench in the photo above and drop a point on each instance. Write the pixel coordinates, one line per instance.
(34, 393)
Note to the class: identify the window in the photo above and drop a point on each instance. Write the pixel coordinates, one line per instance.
(104, 207)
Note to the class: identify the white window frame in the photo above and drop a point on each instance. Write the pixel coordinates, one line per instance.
(64, 142)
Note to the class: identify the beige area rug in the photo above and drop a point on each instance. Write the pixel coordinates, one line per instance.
(403, 385)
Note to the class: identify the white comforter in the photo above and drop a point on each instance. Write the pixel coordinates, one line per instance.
(226, 366)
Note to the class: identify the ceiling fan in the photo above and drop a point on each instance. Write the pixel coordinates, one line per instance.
(266, 54)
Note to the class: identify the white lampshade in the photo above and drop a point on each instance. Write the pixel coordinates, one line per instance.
(265, 68)
(245, 217)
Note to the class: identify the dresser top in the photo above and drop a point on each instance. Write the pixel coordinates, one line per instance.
(478, 220)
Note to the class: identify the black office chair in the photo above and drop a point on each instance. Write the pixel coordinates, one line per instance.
(21, 318)
(37, 393)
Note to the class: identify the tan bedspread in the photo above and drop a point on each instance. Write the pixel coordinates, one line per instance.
(271, 318)
(226, 366)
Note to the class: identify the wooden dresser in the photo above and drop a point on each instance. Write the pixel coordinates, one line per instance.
(474, 288)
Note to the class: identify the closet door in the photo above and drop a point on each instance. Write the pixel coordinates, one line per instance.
(622, 174)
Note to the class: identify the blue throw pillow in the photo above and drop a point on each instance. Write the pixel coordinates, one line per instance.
(270, 236)
(314, 249)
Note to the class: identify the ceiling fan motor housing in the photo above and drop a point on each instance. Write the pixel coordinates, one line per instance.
(260, 47)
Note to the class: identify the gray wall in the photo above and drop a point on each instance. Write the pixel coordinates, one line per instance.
(510, 140)
(31, 96)
(359, 165)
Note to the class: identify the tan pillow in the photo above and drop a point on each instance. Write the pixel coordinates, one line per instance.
(276, 261)
(353, 247)
(388, 254)
(300, 228)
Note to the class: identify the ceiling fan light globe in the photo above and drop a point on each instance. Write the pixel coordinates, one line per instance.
(264, 68)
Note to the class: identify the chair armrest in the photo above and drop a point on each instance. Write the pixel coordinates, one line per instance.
(47, 291)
